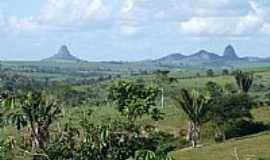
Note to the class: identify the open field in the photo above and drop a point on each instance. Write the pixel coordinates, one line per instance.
(250, 147)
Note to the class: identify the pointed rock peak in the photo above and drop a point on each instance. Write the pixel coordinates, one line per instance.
(63, 51)
(63, 54)
(230, 53)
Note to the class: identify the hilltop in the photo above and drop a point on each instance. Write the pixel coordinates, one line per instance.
(63, 55)
(206, 59)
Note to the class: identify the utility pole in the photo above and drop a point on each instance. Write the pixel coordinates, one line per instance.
(162, 98)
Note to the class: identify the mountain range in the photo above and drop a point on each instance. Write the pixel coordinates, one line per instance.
(206, 59)
(201, 59)
(229, 54)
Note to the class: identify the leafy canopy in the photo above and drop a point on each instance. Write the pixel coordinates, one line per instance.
(135, 99)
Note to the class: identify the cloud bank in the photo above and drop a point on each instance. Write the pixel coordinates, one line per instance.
(188, 17)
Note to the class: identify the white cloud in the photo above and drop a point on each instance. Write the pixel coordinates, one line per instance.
(73, 12)
(62, 14)
(222, 26)
(266, 28)
(196, 17)
(2, 20)
(128, 30)
(127, 6)
(261, 9)
(252, 23)
(22, 24)
(217, 8)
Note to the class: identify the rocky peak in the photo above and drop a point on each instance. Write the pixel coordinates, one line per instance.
(229, 53)
(63, 54)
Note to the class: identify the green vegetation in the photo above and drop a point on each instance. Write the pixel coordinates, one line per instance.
(251, 147)
(86, 111)
(195, 107)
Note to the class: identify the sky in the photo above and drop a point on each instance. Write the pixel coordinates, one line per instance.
(130, 30)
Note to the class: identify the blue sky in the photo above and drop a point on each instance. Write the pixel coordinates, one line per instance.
(132, 29)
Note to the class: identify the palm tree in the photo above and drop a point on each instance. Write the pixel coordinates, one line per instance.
(244, 81)
(195, 106)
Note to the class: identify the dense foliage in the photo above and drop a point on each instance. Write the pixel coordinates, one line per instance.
(134, 99)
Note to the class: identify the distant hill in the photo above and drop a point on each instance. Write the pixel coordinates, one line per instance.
(202, 59)
(63, 55)
(172, 57)
(204, 55)
(206, 59)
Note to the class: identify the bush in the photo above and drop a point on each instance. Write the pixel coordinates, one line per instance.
(263, 159)
(243, 128)
(210, 73)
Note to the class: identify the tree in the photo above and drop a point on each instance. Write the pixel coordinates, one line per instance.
(227, 111)
(244, 81)
(210, 73)
(134, 100)
(37, 111)
(113, 140)
(164, 81)
(225, 72)
(162, 76)
(214, 89)
(196, 107)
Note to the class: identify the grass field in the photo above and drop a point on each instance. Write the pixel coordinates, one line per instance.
(249, 147)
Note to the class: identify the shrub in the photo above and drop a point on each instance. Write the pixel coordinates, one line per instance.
(210, 73)
(244, 127)
(263, 158)
(227, 111)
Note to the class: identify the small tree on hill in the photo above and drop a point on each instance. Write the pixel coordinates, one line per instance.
(225, 72)
(210, 73)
